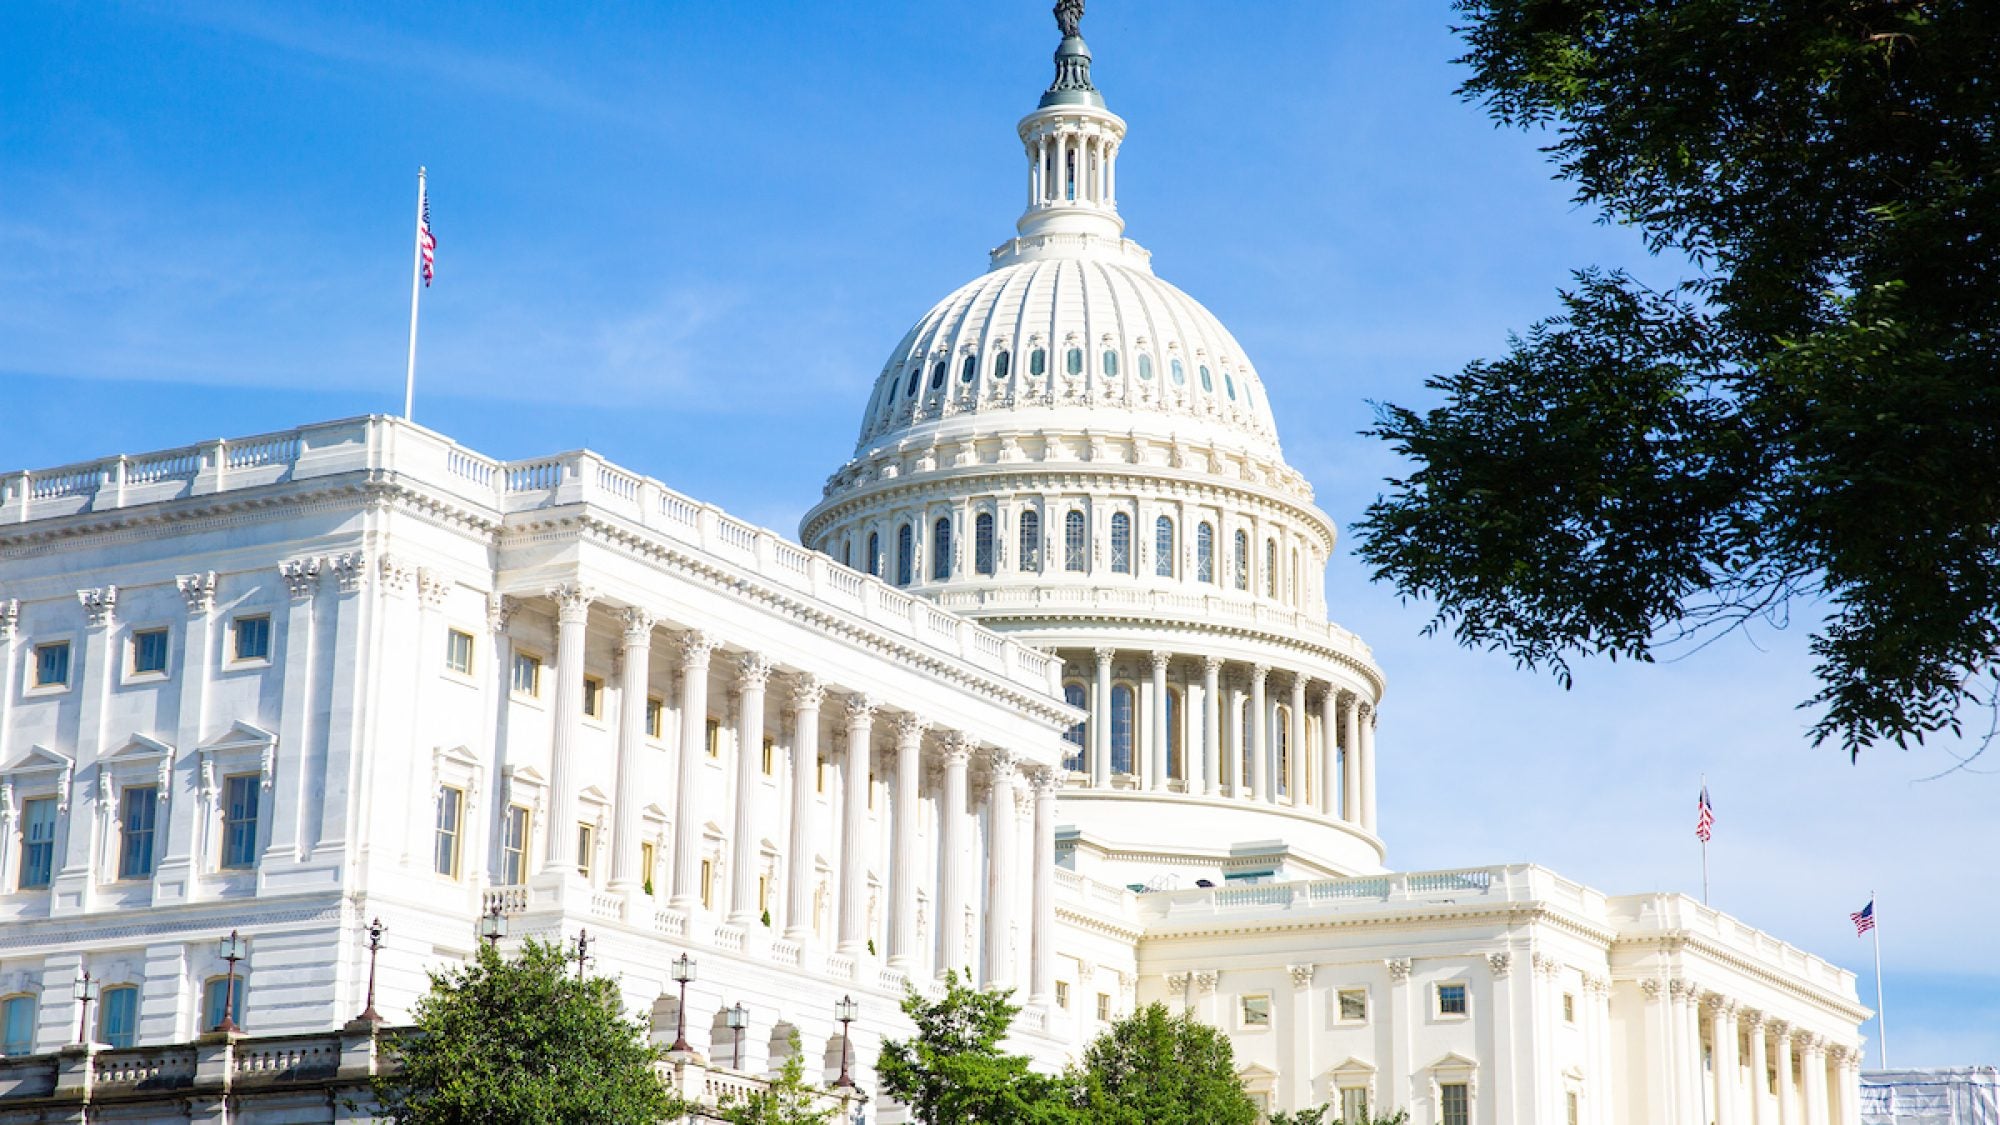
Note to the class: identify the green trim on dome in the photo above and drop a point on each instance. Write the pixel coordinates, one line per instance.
(1072, 82)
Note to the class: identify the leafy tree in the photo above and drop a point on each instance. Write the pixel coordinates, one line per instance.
(1324, 1115)
(1152, 1068)
(1810, 420)
(788, 1100)
(523, 1042)
(953, 1072)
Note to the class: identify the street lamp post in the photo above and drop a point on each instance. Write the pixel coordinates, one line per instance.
(86, 991)
(683, 971)
(232, 952)
(582, 952)
(493, 927)
(845, 1010)
(739, 1018)
(375, 930)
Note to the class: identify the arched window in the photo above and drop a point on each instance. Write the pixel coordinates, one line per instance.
(846, 552)
(1031, 541)
(214, 994)
(906, 555)
(1000, 365)
(1163, 547)
(1121, 729)
(875, 553)
(17, 1025)
(1074, 548)
(1180, 374)
(1145, 366)
(1038, 362)
(941, 549)
(1121, 543)
(1074, 360)
(916, 373)
(1110, 363)
(1175, 766)
(1245, 745)
(1242, 560)
(118, 1016)
(1069, 175)
(1074, 695)
(1229, 384)
(1204, 553)
(1207, 384)
(969, 369)
(1282, 784)
(1270, 568)
(982, 543)
(937, 375)
(1298, 579)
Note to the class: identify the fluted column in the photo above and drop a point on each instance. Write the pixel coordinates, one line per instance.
(1100, 721)
(1299, 755)
(572, 621)
(1812, 1073)
(696, 648)
(1042, 968)
(1000, 871)
(903, 863)
(1367, 711)
(1156, 776)
(1781, 1034)
(636, 671)
(1722, 1034)
(1211, 724)
(753, 673)
(854, 770)
(952, 844)
(1350, 725)
(1329, 751)
(1753, 1022)
(807, 696)
(1847, 1086)
(1261, 787)
(1235, 737)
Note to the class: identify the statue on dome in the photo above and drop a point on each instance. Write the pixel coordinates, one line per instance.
(1069, 14)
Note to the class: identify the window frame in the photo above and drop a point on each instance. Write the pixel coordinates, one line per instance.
(448, 796)
(984, 557)
(36, 685)
(452, 636)
(47, 878)
(655, 723)
(1121, 543)
(1244, 1020)
(105, 1032)
(516, 837)
(217, 991)
(1438, 1000)
(1030, 533)
(941, 549)
(255, 786)
(127, 871)
(136, 674)
(531, 660)
(593, 698)
(234, 648)
(1340, 997)
(1076, 542)
(27, 1002)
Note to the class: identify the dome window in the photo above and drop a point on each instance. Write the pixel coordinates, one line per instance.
(1073, 543)
(1074, 360)
(1031, 541)
(941, 549)
(1110, 363)
(1204, 553)
(1121, 543)
(982, 543)
(1121, 729)
(970, 369)
(1180, 374)
(916, 373)
(875, 553)
(937, 375)
(1229, 384)
(1207, 384)
(1038, 362)
(1145, 367)
(1242, 560)
(1270, 568)
(1163, 547)
(999, 365)
(906, 555)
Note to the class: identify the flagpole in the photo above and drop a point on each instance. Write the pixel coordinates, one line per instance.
(1704, 839)
(416, 287)
(1881, 1019)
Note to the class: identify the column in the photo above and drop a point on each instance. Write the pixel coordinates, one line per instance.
(1329, 752)
(696, 648)
(753, 674)
(1847, 1086)
(1100, 721)
(1156, 776)
(1261, 788)
(289, 795)
(1233, 743)
(190, 723)
(1812, 1074)
(1350, 725)
(854, 826)
(903, 860)
(1781, 1034)
(636, 671)
(1211, 724)
(1299, 755)
(1754, 1023)
(82, 861)
(572, 621)
(1000, 871)
(1367, 767)
(1042, 969)
(952, 843)
(1722, 1035)
(807, 696)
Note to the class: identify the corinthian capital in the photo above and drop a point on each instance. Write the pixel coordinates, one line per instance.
(10, 613)
(808, 693)
(638, 626)
(99, 605)
(696, 647)
(957, 750)
(301, 577)
(860, 709)
(910, 728)
(753, 671)
(572, 602)
(1003, 764)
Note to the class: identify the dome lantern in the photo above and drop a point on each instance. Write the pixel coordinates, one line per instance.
(1071, 142)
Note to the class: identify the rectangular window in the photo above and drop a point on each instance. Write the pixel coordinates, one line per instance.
(38, 843)
(656, 716)
(1451, 999)
(241, 793)
(1103, 1006)
(118, 1016)
(819, 776)
(714, 742)
(450, 819)
(1575, 1109)
(770, 756)
(18, 1017)
(214, 995)
(514, 847)
(586, 838)
(149, 652)
(52, 664)
(1354, 1103)
(137, 815)
(646, 861)
(763, 892)
(458, 651)
(1454, 1104)
(1256, 1011)
(1353, 1004)
(1062, 995)
(708, 884)
(1569, 1007)
(593, 697)
(253, 637)
(527, 677)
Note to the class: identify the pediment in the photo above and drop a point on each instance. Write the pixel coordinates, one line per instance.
(592, 795)
(528, 776)
(1255, 1073)
(458, 756)
(141, 747)
(1452, 1060)
(1353, 1068)
(40, 759)
(240, 736)
(653, 811)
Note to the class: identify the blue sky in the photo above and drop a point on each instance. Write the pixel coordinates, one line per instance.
(687, 236)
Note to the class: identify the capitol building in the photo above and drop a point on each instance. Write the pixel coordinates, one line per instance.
(1044, 690)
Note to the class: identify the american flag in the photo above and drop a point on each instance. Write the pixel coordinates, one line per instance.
(1704, 817)
(427, 241)
(1864, 918)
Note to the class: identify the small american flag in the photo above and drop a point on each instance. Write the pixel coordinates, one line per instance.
(1864, 918)
(427, 241)
(1704, 820)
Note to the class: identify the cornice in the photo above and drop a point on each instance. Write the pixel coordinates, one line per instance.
(1072, 615)
(85, 931)
(1414, 915)
(1674, 941)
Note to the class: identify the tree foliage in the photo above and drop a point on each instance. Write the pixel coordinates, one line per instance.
(1326, 1115)
(953, 1072)
(788, 1100)
(522, 1041)
(1811, 419)
(1152, 1068)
